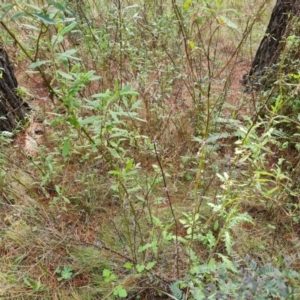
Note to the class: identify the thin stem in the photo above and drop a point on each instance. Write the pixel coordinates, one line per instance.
(170, 205)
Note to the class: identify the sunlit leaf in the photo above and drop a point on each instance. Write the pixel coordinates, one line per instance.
(225, 21)
(187, 4)
(221, 20)
(128, 265)
(192, 45)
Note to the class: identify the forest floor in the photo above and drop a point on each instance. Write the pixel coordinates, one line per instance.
(79, 221)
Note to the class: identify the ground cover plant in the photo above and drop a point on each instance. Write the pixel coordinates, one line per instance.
(144, 171)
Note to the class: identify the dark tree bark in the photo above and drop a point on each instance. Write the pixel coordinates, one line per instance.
(12, 108)
(272, 44)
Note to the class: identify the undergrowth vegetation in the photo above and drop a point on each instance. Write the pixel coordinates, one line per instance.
(155, 177)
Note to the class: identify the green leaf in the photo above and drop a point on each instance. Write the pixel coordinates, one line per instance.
(67, 29)
(19, 15)
(228, 242)
(199, 20)
(150, 265)
(38, 63)
(66, 147)
(67, 55)
(187, 4)
(270, 192)
(64, 75)
(120, 291)
(140, 268)
(183, 222)
(32, 6)
(91, 120)
(216, 225)
(7, 8)
(232, 10)
(223, 20)
(126, 91)
(55, 40)
(27, 281)
(58, 5)
(176, 291)
(144, 247)
(192, 45)
(114, 153)
(73, 121)
(128, 265)
(45, 18)
(66, 273)
(228, 263)
(108, 276)
(213, 138)
(66, 200)
(106, 273)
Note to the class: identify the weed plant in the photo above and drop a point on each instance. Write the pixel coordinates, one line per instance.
(156, 174)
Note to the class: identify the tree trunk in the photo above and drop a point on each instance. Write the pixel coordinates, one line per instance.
(12, 108)
(268, 54)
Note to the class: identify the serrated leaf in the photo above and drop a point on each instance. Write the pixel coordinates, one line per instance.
(176, 291)
(67, 272)
(128, 265)
(140, 268)
(144, 247)
(228, 263)
(213, 138)
(150, 265)
(228, 242)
